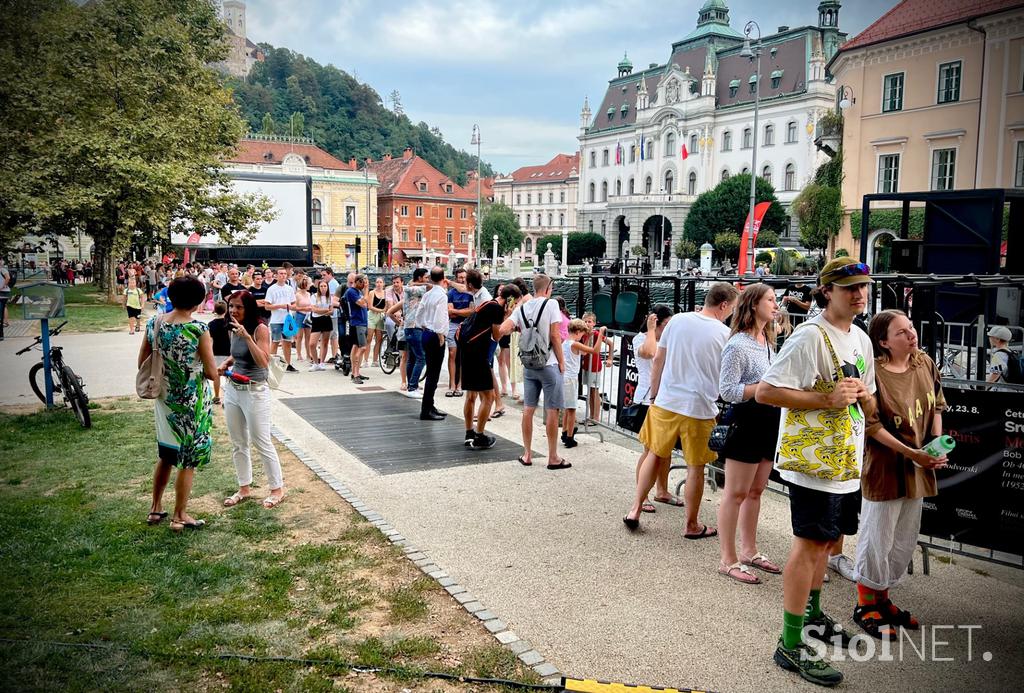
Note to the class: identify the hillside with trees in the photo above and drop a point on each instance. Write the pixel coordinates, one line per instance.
(290, 94)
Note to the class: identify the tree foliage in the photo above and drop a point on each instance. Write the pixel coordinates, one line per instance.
(685, 248)
(343, 116)
(582, 246)
(115, 124)
(725, 208)
(500, 219)
(766, 238)
(819, 210)
(727, 245)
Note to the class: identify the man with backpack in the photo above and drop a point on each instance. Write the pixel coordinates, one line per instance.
(475, 336)
(1004, 366)
(540, 351)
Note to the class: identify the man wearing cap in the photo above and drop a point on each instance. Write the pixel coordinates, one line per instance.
(821, 508)
(999, 359)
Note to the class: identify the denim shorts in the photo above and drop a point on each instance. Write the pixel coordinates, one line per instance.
(450, 341)
(547, 379)
(276, 331)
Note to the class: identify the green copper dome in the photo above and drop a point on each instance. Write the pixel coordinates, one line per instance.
(625, 63)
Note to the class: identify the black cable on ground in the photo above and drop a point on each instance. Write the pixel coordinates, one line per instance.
(340, 664)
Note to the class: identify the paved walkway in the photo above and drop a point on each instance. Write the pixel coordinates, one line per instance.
(547, 552)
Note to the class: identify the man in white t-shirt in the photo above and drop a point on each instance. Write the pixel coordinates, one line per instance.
(542, 312)
(821, 509)
(280, 299)
(684, 388)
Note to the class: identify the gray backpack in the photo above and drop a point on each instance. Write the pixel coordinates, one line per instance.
(534, 345)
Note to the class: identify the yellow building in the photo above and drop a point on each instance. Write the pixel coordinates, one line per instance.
(933, 99)
(344, 200)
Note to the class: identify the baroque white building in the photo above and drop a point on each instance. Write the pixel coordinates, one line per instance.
(543, 198)
(636, 187)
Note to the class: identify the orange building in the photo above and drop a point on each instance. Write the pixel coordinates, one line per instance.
(421, 212)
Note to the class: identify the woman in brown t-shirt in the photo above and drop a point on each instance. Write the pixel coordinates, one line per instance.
(897, 474)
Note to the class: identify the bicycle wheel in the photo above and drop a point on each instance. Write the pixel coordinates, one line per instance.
(74, 395)
(389, 358)
(35, 379)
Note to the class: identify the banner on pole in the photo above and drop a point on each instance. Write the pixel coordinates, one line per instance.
(748, 239)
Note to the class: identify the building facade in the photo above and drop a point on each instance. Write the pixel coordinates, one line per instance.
(422, 213)
(544, 199)
(344, 200)
(636, 181)
(934, 96)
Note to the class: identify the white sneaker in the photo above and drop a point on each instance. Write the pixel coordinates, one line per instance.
(825, 577)
(314, 367)
(417, 393)
(842, 565)
(407, 393)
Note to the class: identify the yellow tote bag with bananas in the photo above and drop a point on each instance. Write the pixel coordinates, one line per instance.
(820, 442)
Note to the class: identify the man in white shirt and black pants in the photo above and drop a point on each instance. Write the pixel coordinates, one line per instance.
(433, 320)
(542, 312)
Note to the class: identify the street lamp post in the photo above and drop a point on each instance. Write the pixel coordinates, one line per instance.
(494, 253)
(479, 186)
(753, 53)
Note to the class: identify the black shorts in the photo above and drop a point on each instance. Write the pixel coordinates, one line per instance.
(505, 342)
(823, 516)
(475, 371)
(756, 433)
(133, 312)
(321, 323)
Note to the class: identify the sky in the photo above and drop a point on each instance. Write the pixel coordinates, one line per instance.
(518, 69)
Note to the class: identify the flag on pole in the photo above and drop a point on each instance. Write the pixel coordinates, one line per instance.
(685, 152)
(618, 153)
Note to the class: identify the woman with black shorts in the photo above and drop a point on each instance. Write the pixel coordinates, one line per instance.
(750, 447)
(321, 307)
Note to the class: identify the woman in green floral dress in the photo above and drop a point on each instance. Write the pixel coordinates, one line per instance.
(184, 413)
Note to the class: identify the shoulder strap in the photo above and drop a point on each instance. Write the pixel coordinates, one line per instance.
(831, 351)
(522, 311)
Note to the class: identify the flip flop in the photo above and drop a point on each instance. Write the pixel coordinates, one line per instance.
(761, 562)
(234, 499)
(740, 573)
(525, 462)
(648, 508)
(671, 500)
(498, 414)
(458, 393)
(155, 518)
(272, 501)
(179, 526)
(450, 393)
(704, 533)
(562, 464)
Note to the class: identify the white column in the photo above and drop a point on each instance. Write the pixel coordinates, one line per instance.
(494, 253)
(565, 251)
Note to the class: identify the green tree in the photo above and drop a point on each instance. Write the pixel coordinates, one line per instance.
(783, 263)
(725, 207)
(581, 245)
(819, 210)
(766, 238)
(267, 126)
(727, 245)
(297, 124)
(500, 219)
(764, 256)
(685, 248)
(118, 110)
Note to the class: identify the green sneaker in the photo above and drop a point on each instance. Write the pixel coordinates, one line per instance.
(806, 663)
(826, 629)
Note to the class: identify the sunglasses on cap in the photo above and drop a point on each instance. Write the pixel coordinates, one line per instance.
(854, 269)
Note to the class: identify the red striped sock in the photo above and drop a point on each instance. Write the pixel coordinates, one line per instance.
(867, 596)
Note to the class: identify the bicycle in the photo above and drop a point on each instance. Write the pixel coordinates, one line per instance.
(65, 381)
(390, 356)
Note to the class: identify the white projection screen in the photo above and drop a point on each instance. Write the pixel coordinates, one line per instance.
(291, 227)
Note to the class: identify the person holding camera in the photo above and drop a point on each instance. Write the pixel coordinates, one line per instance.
(247, 399)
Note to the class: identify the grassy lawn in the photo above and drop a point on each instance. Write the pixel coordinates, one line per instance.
(88, 311)
(97, 600)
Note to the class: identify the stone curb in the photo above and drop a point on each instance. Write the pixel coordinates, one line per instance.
(495, 626)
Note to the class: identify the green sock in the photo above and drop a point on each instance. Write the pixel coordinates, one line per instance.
(813, 605)
(792, 629)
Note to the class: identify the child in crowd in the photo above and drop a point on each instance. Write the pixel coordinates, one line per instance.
(592, 366)
(221, 338)
(571, 350)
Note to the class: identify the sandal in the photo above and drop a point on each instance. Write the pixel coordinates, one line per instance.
(761, 562)
(155, 518)
(450, 393)
(671, 500)
(234, 499)
(458, 393)
(525, 461)
(648, 507)
(705, 533)
(740, 573)
(272, 501)
(869, 618)
(899, 617)
(177, 527)
(498, 414)
(562, 464)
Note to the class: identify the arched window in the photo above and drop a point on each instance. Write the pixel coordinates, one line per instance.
(590, 193)
(766, 173)
(694, 141)
(561, 219)
(604, 191)
(670, 143)
(769, 135)
(745, 171)
(647, 185)
(727, 141)
(669, 180)
(604, 157)
(748, 138)
(790, 182)
(632, 186)
(791, 132)
(725, 174)
(593, 159)
(529, 245)
(618, 186)
(317, 213)
(691, 183)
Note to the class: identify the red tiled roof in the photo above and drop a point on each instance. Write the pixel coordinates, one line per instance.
(486, 192)
(554, 171)
(913, 16)
(399, 177)
(263, 152)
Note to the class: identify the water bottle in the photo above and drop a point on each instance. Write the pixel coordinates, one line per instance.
(940, 446)
(237, 377)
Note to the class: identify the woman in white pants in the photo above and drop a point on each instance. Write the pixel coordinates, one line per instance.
(897, 474)
(247, 399)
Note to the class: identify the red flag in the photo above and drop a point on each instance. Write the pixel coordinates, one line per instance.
(748, 237)
(685, 153)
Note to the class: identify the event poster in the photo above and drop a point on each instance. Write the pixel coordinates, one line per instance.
(981, 492)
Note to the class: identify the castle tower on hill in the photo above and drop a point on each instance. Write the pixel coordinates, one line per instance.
(243, 53)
